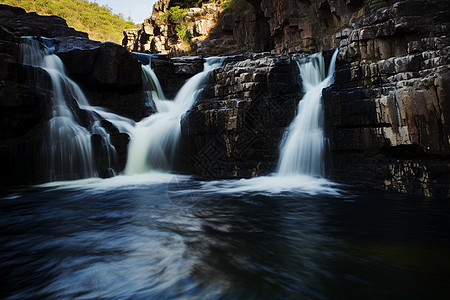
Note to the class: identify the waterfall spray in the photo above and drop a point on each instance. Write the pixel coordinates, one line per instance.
(68, 148)
(154, 139)
(302, 150)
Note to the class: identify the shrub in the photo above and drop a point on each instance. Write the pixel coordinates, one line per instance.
(177, 14)
(231, 3)
(163, 17)
(184, 33)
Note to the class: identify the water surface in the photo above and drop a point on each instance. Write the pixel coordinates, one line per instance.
(169, 237)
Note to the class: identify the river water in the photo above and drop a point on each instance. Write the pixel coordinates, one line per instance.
(163, 236)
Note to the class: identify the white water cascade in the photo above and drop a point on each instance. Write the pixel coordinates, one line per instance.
(68, 150)
(302, 151)
(154, 139)
(151, 83)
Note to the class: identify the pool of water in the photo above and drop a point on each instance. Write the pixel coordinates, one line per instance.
(171, 237)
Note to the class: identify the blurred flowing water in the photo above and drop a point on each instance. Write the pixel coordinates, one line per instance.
(161, 236)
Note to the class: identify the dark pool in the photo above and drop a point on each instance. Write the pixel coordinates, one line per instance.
(181, 238)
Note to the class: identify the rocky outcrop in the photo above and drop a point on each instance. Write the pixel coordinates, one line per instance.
(387, 114)
(235, 128)
(173, 73)
(109, 75)
(159, 34)
(281, 26)
(15, 22)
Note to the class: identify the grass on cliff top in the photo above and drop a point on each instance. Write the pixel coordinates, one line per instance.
(98, 21)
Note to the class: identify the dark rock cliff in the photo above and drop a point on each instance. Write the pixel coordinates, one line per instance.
(280, 26)
(235, 128)
(387, 114)
(110, 76)
(173, 73)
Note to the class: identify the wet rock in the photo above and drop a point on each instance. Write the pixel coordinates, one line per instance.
(174, 72)
(26, 94)
(390, 95)
(109, 75)
(235, 128)
(188, 65)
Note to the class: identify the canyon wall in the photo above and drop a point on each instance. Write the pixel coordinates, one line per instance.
(385, 116)
(280, 26)
(109, 75)
(235, 128)
(387, 113)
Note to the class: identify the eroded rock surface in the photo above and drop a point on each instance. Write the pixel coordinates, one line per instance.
(235, 128)
(387, 114)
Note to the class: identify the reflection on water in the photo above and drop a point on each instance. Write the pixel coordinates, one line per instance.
(175, 237)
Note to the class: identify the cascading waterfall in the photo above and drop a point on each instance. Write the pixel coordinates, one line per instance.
(302, 151)
(69, 147)
(151, 83)
(154, 139)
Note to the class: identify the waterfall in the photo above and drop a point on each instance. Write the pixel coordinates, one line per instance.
(302, 150)
(151, 83)
(155, 138)
(68, 150)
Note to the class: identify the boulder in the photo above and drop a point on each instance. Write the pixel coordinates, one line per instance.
(235, 128)
(174, 72)
(110, 76)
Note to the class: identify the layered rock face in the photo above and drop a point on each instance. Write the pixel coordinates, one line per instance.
(160, 36)
(279, 26)
(387, 114)
(235, 128)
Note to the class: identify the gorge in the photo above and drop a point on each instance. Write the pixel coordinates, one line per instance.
(233, 149)
(375, 116)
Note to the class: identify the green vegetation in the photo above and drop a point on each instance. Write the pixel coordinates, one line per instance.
(231, 3)
(98, 21)
(175, 15)
(184, 33)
